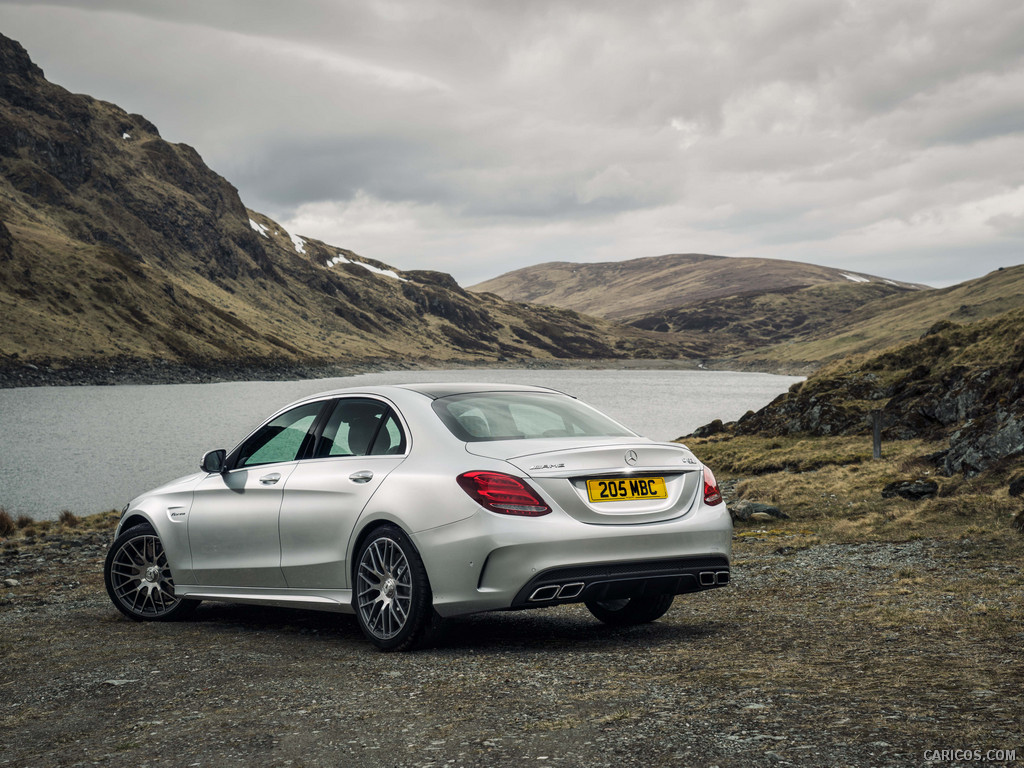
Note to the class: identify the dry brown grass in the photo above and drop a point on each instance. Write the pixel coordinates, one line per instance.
(755, 455)
(833, 487)
(7, 526)
(67, 522)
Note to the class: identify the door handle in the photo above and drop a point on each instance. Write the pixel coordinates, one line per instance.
(270, 479)
(362, 476)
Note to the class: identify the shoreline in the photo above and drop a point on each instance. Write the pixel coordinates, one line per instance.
(134, 371)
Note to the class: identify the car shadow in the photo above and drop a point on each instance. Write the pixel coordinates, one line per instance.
(557, 629)
(567, 628)
(258, 618)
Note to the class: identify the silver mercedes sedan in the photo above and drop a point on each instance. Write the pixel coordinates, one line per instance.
(407, 504)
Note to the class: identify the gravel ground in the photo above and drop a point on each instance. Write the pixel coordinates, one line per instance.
(816, 655)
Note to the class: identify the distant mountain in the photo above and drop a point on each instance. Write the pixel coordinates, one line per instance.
(641, 290)
(116, 245)
(758, 314)
(717, 307)
(749, 322)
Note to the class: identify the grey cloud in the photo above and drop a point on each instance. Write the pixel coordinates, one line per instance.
(1008, 225)
(568, 126)
(392, 169)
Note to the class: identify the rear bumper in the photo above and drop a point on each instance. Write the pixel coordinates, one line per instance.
(494, 562)
(615, 581)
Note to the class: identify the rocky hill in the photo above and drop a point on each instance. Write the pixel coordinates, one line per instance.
(117, 246)
(964, 383)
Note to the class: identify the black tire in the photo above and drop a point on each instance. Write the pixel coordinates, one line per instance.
(630, 611)
(139, 580)
(392, 597)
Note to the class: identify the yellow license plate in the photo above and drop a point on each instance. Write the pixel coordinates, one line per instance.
(627, 489)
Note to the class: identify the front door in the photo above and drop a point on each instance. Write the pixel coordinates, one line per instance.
(233, 525)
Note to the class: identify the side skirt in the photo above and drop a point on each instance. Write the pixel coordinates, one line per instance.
(333, 600)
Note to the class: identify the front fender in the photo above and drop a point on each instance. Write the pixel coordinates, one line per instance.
(166, 511)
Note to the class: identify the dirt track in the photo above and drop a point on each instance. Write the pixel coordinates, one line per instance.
(830, 655)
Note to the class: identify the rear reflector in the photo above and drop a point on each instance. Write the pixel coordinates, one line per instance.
(504, 494)
(712, 495)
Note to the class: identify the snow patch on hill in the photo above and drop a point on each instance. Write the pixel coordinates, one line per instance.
(339, 259)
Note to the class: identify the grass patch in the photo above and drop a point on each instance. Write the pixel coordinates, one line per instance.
(832, 486)
(757, 455)
(67, 522)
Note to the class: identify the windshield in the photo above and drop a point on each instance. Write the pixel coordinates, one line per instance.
(482, 416)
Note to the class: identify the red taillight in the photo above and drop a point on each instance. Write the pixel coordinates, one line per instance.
(504, 494)
(712, 495)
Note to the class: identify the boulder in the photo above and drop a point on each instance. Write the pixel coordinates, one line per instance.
(746, 510)
(710, 429)
(982, 442)
(913, 490)
(1017, 485)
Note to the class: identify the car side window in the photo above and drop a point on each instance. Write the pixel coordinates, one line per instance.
(390, 440)
(281, 439)
(360, 427)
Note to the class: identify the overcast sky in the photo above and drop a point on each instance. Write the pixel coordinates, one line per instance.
(879, 136)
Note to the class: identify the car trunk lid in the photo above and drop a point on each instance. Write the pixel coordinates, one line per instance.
(606, 481)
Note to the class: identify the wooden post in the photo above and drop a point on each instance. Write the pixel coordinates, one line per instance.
(876, 423)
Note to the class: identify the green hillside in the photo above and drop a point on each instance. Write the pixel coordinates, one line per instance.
(894, 320)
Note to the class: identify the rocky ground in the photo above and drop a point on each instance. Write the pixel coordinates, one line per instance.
(137, 371)
(817, 654)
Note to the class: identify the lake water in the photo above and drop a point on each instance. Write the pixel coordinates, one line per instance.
(88, 449)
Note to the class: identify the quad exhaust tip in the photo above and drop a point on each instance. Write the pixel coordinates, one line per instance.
(713, 578)
(540, 594)
(557, 592)
(571, 590)
(575, 589)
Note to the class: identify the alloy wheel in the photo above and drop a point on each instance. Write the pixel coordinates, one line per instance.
(140, 578)
(384, 588)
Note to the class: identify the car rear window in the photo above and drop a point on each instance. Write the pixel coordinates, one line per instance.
(483, 416)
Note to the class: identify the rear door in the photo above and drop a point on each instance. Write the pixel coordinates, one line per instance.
(361, 442)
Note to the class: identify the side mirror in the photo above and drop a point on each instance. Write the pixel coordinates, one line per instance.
(213, 461)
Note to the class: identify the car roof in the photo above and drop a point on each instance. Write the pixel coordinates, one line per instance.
(447, 389)
(433, 391)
